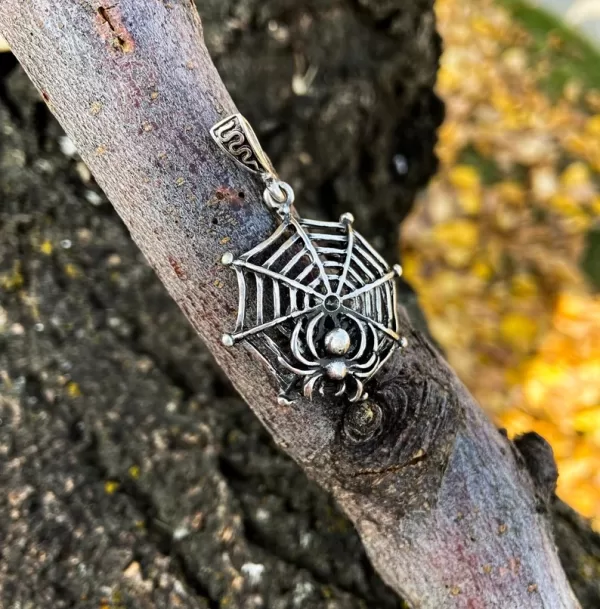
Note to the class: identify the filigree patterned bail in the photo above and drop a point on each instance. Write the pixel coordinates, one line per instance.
(316, 301)
(237, 138)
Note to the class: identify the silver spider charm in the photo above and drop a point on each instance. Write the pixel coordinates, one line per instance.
(316, 301)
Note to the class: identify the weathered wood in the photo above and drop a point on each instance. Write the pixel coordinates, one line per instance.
(446, 508)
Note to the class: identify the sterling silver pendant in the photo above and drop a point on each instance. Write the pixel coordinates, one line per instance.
(316, 301)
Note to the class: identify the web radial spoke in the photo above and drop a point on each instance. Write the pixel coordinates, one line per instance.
(348, 261)
(370, 286)
(267, 243)
(280, 251)
(378, 325)
(274, 322)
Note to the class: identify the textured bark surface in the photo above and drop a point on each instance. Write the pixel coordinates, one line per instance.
(212, 502)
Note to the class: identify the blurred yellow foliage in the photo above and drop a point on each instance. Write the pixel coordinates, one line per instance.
(493, 248)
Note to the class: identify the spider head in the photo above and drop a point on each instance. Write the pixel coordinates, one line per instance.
(332, 303)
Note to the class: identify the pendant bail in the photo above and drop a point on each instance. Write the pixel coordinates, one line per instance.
(235, 136)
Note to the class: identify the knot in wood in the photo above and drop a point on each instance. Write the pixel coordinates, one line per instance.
(362, 421)
(372, 430)
(410, 413)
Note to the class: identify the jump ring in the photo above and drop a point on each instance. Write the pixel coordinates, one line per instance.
(279, 194)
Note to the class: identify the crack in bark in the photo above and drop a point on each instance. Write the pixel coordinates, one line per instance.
(120, 38)
(418, 458)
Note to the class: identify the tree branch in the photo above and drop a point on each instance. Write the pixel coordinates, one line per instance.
(445, 505)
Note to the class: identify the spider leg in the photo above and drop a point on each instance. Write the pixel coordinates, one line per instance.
(310, 385)
(347, 261)
(310, 332)
(358, 392)
(371, 286)
(379, 326)
(368, 364)
(363, 336)
(295, 345)
(298, 371)
(374, 356)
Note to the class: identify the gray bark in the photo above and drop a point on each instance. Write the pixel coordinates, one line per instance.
(447, 510)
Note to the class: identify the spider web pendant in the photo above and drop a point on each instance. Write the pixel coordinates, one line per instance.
(318, 304)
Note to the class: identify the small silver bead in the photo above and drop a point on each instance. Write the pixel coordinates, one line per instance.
(227, 340)
(337, 342)
(347, 219)
(404, 342)
(227, 258)
(398, 270)
(336, 370)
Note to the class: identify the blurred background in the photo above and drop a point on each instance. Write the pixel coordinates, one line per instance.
(504, 246)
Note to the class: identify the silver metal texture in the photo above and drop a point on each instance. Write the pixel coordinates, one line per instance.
(235, 136)
(316, 302)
